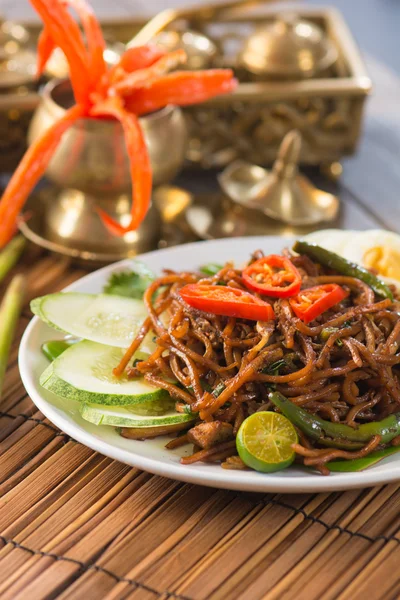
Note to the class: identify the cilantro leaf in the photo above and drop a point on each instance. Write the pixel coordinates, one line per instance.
(131, 284)
(218, 390)
(274, 368)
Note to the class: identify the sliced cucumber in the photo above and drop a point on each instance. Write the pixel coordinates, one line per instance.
(123, 417)
(102, 318)
(84, 373)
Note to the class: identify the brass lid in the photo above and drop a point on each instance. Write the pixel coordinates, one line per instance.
(17, 60)
(289, 47)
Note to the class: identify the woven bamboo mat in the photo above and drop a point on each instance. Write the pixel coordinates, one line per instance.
(74, 524)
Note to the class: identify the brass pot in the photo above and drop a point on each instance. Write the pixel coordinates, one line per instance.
(91, 167)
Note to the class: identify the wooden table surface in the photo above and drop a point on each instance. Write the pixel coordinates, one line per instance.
(74, 524)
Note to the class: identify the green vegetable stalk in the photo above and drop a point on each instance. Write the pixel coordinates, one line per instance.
(327, 432)
(341, 265)
(10, 309)
(10, 255)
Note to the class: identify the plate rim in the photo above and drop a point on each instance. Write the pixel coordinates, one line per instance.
(218, 478)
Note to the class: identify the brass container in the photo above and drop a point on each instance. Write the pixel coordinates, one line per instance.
(91, 169)
(19, 86)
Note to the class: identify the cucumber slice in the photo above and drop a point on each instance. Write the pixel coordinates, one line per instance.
(123, 417)
(102, 318)
(84, 373)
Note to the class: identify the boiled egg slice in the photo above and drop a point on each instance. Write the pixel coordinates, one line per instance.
(377, 250)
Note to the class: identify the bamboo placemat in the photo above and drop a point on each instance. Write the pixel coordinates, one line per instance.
(74, 524)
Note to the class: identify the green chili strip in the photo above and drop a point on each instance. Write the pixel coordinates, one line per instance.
(317, 428)
(340, 264)
(359, 464)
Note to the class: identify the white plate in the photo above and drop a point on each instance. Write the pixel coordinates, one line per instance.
(150, 455)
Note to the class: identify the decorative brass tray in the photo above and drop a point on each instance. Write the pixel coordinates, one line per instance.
(250, 123)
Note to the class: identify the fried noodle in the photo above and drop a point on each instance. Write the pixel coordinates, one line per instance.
(351, 377)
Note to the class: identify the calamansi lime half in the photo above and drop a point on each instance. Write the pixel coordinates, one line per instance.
(264, 441)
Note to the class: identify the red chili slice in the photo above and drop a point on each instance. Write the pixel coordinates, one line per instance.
(180, 87)
(30, 170)
(311, 303)
(227, 301)
(139, 57)
(274, 276)
(45, 48)
(140, 167)
(62, 27)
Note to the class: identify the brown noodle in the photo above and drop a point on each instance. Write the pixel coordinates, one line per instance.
(350, 376)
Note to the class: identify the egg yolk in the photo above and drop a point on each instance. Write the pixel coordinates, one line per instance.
(384, 260)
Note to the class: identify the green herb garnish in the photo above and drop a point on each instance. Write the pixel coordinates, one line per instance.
(218, 390)
(275, 367)
(327, 332)
(187, 410)
(131, 284)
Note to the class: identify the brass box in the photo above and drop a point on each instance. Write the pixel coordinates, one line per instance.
(252, 122)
